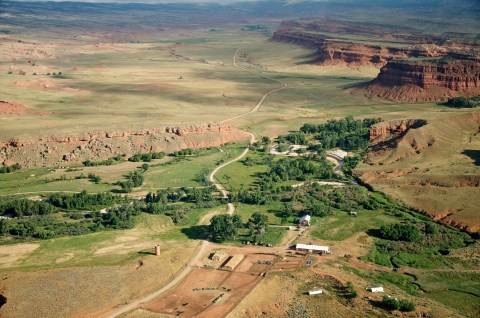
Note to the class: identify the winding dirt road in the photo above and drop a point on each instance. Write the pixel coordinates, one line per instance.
(230, 208)
(264, 97)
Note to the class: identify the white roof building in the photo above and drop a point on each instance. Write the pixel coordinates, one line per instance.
(312, 248)
(376, 289)
(315, 292)
(305, 219)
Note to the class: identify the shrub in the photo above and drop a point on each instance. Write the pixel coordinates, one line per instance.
(391, 303)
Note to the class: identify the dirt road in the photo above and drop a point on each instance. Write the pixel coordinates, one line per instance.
(211, 177)
(264, 97)
(230, 208)
(178, 278)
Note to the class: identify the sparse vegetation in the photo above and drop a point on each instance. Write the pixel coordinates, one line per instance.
(463, 102)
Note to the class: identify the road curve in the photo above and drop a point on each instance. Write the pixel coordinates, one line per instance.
(230, 208)
(264, 97)
(211, 177)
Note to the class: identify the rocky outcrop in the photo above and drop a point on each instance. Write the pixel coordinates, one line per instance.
(390, 43)
(59, 150)
(337, 52)
(431, 80)
(355, 54)
(384, 129)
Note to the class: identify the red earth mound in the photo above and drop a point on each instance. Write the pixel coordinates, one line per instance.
(12, 108)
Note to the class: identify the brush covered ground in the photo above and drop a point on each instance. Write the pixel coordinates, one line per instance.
(431, 166)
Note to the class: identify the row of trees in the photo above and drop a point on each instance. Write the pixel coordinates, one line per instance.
(48, 226)
(83, 200)
(24, 207)
(108, 162)
(184, 152)
(147, 157)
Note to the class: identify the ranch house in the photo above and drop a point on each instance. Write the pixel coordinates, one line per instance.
(304, 220)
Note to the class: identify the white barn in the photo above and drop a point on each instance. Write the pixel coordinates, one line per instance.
(312, 248)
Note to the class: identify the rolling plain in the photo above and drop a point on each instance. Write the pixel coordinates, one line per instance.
(202, 90)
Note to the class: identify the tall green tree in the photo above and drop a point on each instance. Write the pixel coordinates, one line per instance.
(257, 224)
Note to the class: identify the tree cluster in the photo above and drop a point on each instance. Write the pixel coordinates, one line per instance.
(166, 201)
(320, 200)
(225, 226)
(462, 102)
(400, 232)
(347, 133)
(391, 303)
(12, 168)
(134, 179)
(300, 169)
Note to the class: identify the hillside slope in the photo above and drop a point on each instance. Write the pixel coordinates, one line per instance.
(432, 164)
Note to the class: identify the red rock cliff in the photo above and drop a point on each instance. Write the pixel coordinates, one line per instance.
(335, 52)
(58, 150)
(433, 81)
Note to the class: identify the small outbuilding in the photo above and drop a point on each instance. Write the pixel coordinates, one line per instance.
(218, 255)
(315, 292)
(233, 262)
(376, 289)
(305, 220)
(312, 248)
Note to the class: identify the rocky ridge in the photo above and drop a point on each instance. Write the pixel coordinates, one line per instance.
(61, 150)
(435, 80)
(338, 52)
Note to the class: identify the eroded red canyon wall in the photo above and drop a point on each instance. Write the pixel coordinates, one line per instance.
(65, 150)
(435, 80)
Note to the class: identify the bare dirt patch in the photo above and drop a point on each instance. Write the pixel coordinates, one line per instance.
(89, 291)
(11, 253)
(206, 293)
(12, 108)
